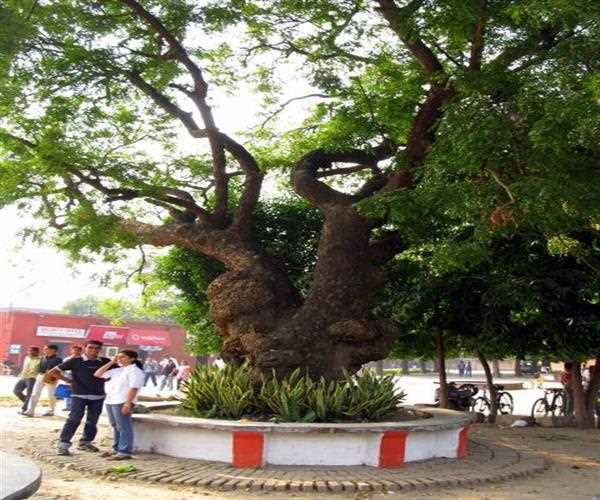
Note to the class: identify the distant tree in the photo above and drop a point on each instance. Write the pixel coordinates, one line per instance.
(87, 305)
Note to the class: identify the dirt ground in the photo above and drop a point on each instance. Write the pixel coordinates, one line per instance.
(573, 472)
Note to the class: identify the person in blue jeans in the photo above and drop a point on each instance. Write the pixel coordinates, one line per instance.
(122, 386)
(87, 397)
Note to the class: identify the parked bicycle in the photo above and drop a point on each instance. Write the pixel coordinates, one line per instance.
(504, 402)
(553, 403)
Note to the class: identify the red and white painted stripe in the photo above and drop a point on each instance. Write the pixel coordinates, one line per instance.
(256, 448)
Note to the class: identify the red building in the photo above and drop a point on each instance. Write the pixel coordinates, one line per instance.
(22, 328)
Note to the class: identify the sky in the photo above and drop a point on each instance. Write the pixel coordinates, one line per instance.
(40, 276)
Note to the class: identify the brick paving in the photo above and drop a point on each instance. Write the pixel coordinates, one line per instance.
(486, 462)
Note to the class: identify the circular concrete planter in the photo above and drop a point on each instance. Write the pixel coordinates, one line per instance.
(254, 444)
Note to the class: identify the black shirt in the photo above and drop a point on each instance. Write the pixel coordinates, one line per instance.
(82, 371)
(49, 362)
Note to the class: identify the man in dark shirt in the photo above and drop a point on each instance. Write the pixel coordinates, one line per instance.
(87, 393)
(48, 361)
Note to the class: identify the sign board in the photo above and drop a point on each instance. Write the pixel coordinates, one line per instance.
(159, 338)
(59, 331)
(114, 335)
(14, 349)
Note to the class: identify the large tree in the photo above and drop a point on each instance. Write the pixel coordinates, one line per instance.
(484, 110)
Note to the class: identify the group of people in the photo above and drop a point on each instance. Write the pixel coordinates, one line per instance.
(464, 368)
(95, 382)
(170, 371)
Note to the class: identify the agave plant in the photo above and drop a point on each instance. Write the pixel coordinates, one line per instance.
(227, 393)
(233, 392)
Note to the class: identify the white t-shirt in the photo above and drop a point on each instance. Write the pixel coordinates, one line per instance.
(119, 381)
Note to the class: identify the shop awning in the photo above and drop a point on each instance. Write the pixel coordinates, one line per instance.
(160, 338)
(107, 334)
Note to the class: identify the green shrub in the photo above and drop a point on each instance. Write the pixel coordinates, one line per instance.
(215, 393)
(234, 392)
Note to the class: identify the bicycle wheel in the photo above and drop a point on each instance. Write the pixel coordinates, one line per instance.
(506, 404)
(539, 408)
(481, 405)
(559, 406)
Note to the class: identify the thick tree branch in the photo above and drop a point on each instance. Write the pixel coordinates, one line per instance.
(399, 20)
(305, 173)
(422, 132)
(477, 41)
(166, 104)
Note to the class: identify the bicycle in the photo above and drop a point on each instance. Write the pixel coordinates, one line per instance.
(553, 403)
(504, 402)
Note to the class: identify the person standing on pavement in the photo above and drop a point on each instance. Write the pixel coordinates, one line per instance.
(76, 352)
(24, 387)
(124, 378)
(49, 361)
(87, 397)
(151, 368)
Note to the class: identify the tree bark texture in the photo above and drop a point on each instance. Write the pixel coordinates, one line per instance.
(263, 320)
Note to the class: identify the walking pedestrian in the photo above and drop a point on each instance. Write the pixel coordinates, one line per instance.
(87, 397)
(461, 367)
(122, 386)
(24, 387)
(151, 369)
(43, 379)
(468, 369)
(168, 372)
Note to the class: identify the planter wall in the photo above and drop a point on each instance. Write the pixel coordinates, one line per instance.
(254, 444)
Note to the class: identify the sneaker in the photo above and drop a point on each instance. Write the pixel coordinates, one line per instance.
(47, 414)
(63, 450)
(107, 454)
(85, 446)
(27, 414)
(121, 456)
